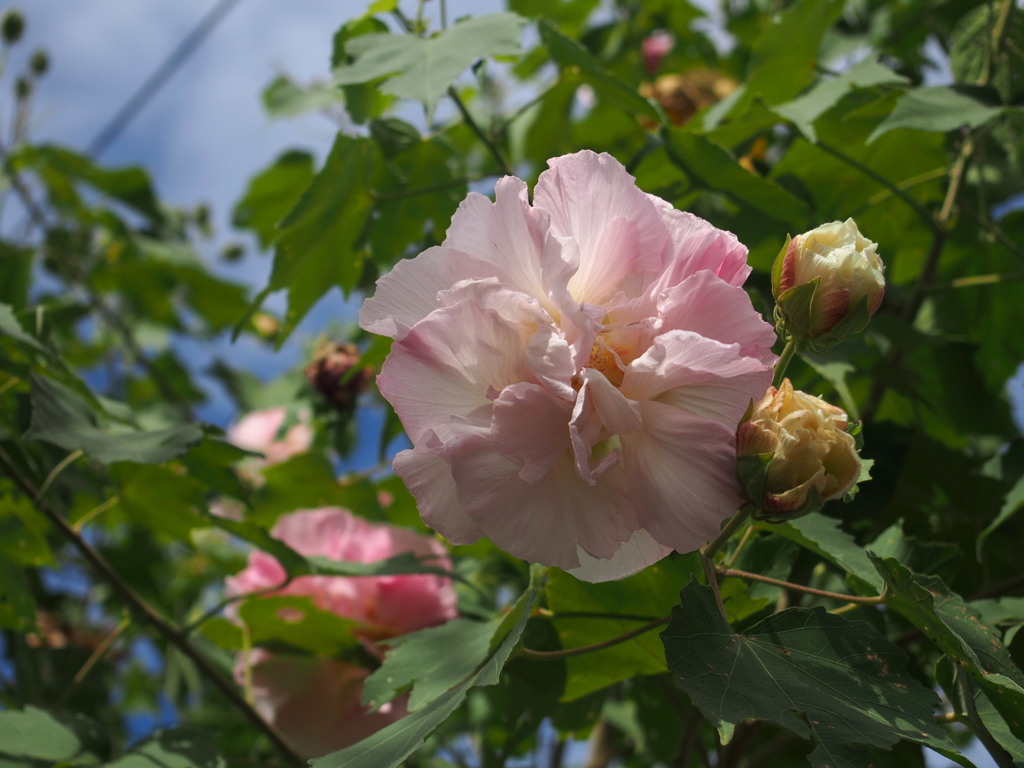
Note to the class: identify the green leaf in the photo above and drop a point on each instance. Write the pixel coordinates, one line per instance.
(17, 606)
(391, 745)
(699, 157)
(1011, 505)
(959, 631)
(430, 661)
(423, 69)
(64, 418)
(297, 622)
(824, 536)
(284, 98)
(318, 246)
(15, 274)
(305, 481)
(970, 51)
(35, 735)
(60, 168)
(10, 326)
(177, 748)
(942, 108)
(400, 564)
(804, 110)
(571, 56)
(160, 498)
(649, 594)
(816, 674)
(272, 193)
(784, 57)
(23, 533)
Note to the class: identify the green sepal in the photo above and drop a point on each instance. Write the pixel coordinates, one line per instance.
(853, 322)
(752, 471)
(793, 312)
(777, 266)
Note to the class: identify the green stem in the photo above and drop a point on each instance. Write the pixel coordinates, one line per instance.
(499, 158)
(783, 363)
(874, 600)
(570, 652)
(734, 524)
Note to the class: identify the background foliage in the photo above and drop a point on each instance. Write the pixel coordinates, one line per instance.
(905, 115)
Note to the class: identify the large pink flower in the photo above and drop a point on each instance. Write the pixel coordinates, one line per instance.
(316, 702)
(571, 372)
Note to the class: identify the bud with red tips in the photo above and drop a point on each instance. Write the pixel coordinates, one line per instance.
(795, 453)
(827, 283)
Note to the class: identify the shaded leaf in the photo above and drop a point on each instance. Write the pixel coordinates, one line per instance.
(1011, 505)
(64, 418)
(960, 632)
(272, 193)
(649, 594)
(816, 674)
(34, 734)
(699, 157)
(430, 661)
(297, 622)
(285, 98)
(571, 56)
(318, 246)
(180, 748)
(390, 746)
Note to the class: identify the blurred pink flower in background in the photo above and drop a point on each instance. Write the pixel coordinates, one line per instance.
(655, 47)
(571, 372)
(315, 702)
(259, 430)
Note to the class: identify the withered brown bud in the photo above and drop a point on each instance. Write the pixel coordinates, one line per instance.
(335, 374)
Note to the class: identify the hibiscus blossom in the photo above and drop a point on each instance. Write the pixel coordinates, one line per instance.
(571, 372)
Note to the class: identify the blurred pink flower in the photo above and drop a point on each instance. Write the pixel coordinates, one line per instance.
(655, 47)
(315, 702)
(571, 372)
(258, 431)
(385, 606)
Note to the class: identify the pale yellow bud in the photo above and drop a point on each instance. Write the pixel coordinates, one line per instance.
(812, 456)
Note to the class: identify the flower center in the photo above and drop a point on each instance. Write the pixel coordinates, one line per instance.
(611, 353)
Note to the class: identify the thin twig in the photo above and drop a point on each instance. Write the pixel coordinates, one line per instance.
(98, 653)
(55, 472)
(737, 520)
(874, 600)
(570, 652)
(140, 607)
(499, 158)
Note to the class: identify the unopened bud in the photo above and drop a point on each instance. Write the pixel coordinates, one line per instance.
(39, 63)
(795, 452)
(335, 374)
(827, 283)
(22, 88)
(12, 26)
(655, 47)
(684, 95)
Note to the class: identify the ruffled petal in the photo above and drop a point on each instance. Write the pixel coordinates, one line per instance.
(703, 376)
(699, 245)
(509, 236)
(531, 427)
(711, 307)
(682, 470)
(632, 557)
(408, 293)
(542, 521)
(593, 200)
(429, 479)
(436, 381)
